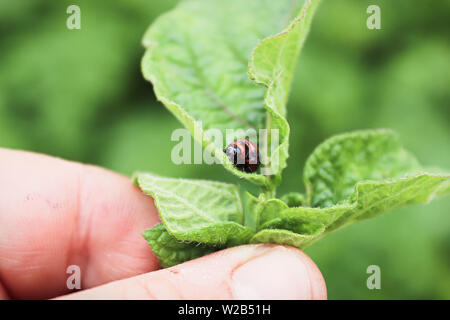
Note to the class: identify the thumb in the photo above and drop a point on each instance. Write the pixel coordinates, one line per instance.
(245, 272)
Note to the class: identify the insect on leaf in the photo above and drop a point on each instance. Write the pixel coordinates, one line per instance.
(197, 58)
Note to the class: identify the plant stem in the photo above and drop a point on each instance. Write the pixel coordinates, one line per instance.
(269, 193)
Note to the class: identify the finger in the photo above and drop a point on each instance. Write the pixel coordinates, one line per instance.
(245, 272)
(56, 213)
(3, 295)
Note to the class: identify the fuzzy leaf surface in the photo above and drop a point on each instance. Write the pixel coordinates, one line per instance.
(197, 58)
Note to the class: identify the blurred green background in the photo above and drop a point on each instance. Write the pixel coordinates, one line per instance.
(79, 94)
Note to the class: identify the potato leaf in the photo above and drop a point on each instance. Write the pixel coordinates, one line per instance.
(171, 251)
(282, 236)
(197, 60)
(198, 211)
(335, 166)
(272, 64)
(352, 177)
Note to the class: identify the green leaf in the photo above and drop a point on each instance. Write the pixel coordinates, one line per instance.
(197, 59)
(271, 64)
(356, 176)
(293, 199)
(335, 166)
(281, 236)
(171, 251)
(263, 210)
(293, 230)
(199, 211)
(371, 198)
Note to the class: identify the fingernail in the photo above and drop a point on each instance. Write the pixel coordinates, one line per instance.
(277, 274)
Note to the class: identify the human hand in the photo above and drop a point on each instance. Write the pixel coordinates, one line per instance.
(55, 213)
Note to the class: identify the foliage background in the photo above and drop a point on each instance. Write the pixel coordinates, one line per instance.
(80, 95)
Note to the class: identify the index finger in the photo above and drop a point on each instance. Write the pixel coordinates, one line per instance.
(55, 213)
